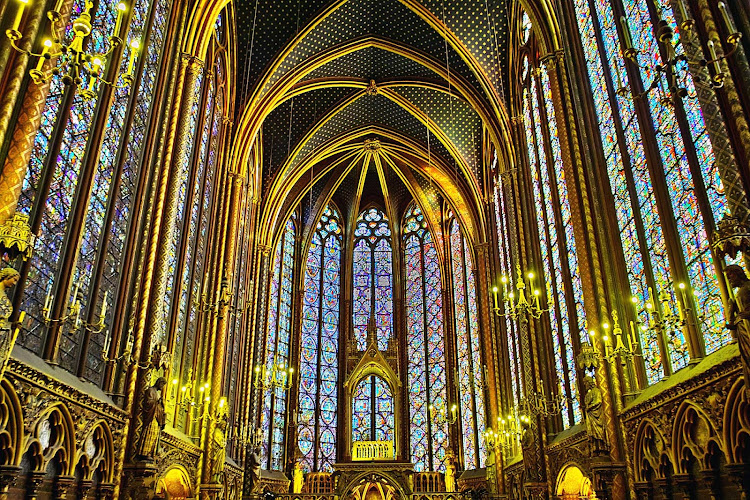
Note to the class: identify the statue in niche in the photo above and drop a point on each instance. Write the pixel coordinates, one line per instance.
(153, 418)
(219, 446)
(738, 316)
(594, 417)
(8, 278)
(253, 466)
(450, 471)
(298, 477)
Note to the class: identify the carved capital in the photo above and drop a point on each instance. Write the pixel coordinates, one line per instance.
(16, 237)
(731, 236)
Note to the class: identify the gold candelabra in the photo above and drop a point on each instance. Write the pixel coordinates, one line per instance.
(279, 376)
(517, 303)
(223, 300)
(670, 60)
(537, 403)
(506, 437)
(439, 413)
(73, 315)
(73, 56)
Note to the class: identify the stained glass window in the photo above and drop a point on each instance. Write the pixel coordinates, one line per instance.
(318, 397)
(470, 370)
(372, 277)
(278, 329)
(187, 285)
(373, 416)
(557, 242)
(425, 344)
(640, 222)
(109, 202)
(503, 231)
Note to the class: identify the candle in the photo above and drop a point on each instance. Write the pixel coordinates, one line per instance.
(19, 14)
(48, 298)
(626, 39)
(121, 8)
(104, 306)
(727, 18)
(96, 65)
(631, 336)
(682, 9)
(45, 50)
(714, 61)
(494, 297)
(107, 343)
(618, 76)
(134, 46)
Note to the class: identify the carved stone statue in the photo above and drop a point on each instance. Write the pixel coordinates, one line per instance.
(253, 466)
(219, 447)
(153, 418)
(8, 278)
(298, 477)
(491, 470)
(450, 471)
(594, 417)
(738, 317)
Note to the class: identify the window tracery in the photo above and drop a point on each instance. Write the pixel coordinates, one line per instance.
(470, 376)
(318, 393)
(426, 372)
(373, 277)
(683, 149)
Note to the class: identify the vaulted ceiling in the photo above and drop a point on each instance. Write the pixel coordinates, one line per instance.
(419, 82)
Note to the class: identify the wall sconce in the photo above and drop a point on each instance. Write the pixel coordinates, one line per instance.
(73, 316)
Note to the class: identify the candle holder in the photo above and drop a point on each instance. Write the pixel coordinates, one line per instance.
(279, 376)
(517, 304)
(506, 438)
(439, 413)
(668, 68)
(73, 57)
(73, 315)
(223, 300)
(537, 403)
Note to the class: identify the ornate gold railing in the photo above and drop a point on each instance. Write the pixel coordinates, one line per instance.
(372, 450)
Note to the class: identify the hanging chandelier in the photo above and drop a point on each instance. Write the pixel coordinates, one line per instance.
(73, 58)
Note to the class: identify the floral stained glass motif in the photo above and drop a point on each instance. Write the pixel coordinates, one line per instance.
(372, 278)
(278, 329)
(373, 417)
(425, 343)
(318, 397)
(470, 376)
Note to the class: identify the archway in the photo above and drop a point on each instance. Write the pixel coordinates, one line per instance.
(572, 484)
(174, 485)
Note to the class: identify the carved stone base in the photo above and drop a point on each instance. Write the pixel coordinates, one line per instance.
(139, 481)
(211, 491)
(8, 476)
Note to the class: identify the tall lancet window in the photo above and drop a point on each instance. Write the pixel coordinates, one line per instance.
(373, 277)
(556, 239)
(62, 146)
(278, 328)
(318, 394)
(373, 417)
(685, 162)
(425, 343)
(470, 373)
